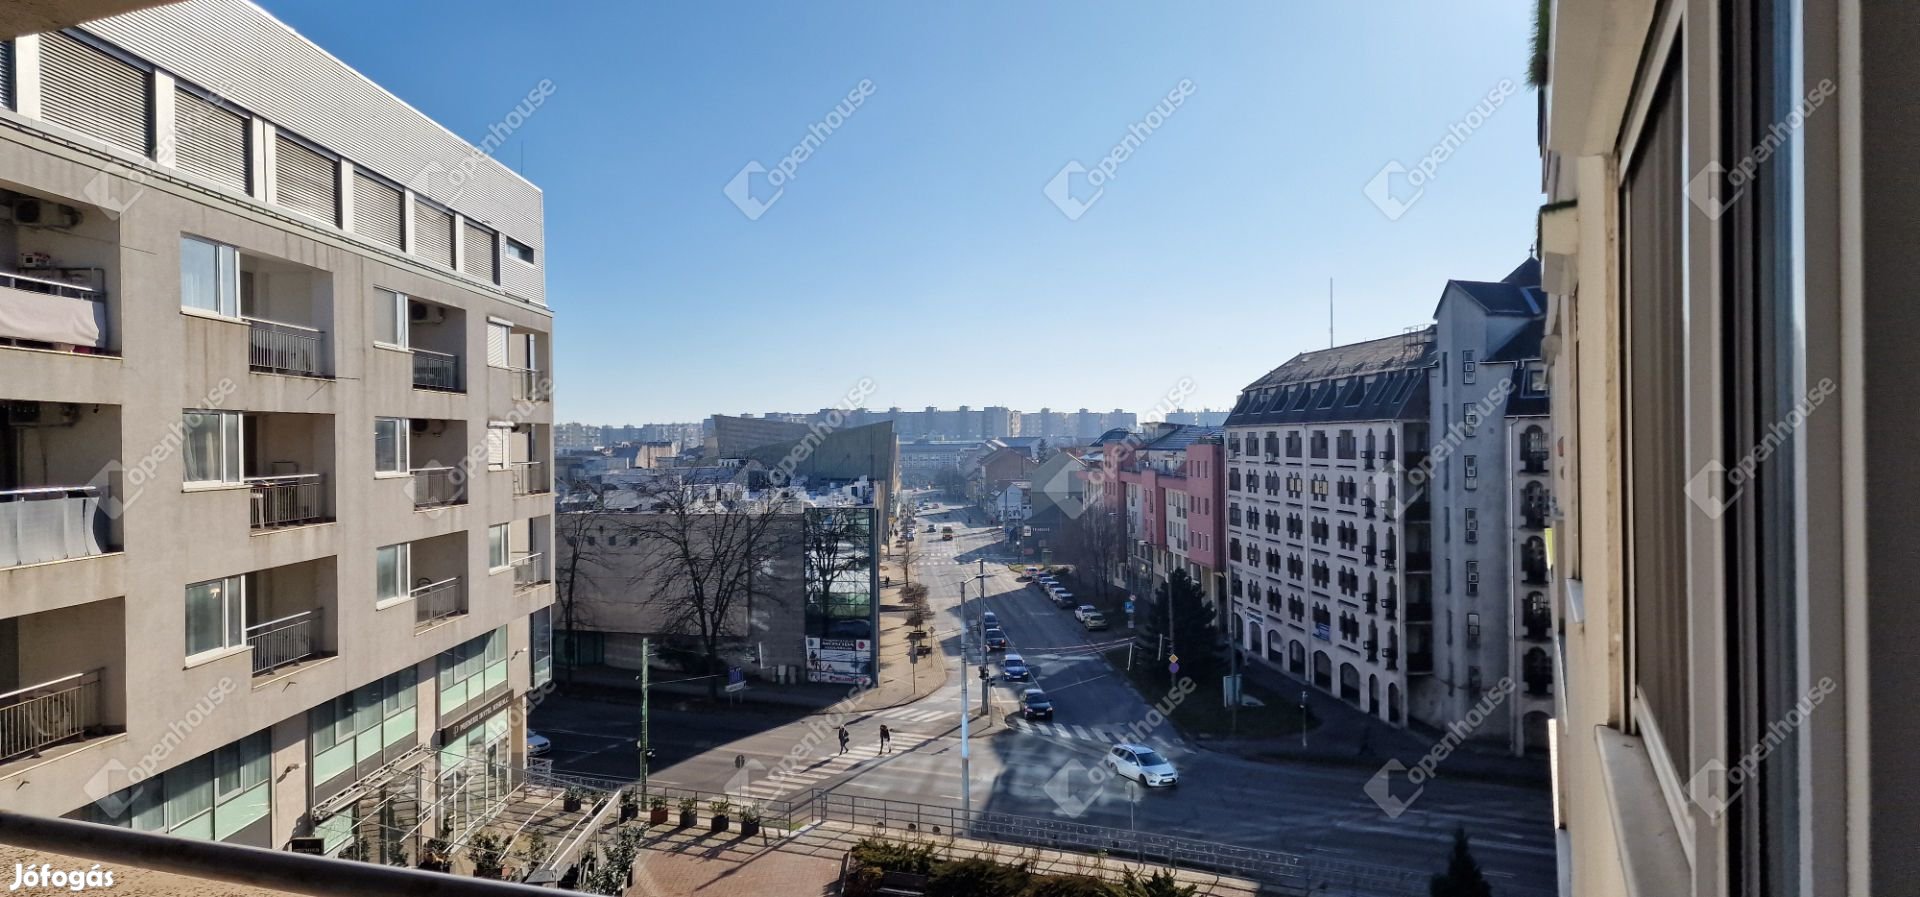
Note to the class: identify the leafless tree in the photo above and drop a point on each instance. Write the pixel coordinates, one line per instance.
(1098, 544)
(588, 536)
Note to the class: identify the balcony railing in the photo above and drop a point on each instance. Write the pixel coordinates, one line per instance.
(1419, 663)
(1420, 611)
(437, 487)
(437, 601)
(52, 312)
(40, 716)
(1418, 561)
(527, 385)
(277, 348)
(291, 500)
(530, 477)
(1533, 518)
(529, 570)
(280, 642)
(52, 523)
(1534, 462)
(436, 370)
(1533, 574)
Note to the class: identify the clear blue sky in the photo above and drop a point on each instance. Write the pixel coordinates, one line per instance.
(917, 247)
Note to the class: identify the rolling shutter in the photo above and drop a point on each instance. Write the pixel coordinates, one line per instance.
(94, 93)
(497, 445)
(376, 210)
(210, 141)
(433, 237)
(480, 249)
(6, 73)
(304, 180)
(497, 336)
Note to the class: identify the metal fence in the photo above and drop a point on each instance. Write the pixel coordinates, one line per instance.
(435, 487)
(284, 348)
(39, 716)
(277, 643)
(436, 370)
(529, 477)
(288, 500)
(529, 570)
(526, 385)
(437, 601)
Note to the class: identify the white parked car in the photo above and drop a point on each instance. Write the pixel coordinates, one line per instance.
(1141, 764)
(537, 744)
(1080, 613)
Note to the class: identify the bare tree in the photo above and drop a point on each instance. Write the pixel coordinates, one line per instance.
(1099, 544)
(706, 553)
(588, 536)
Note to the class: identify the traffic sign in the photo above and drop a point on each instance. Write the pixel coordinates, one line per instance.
(1129, 605)
(1174, 658)
(1173, 668)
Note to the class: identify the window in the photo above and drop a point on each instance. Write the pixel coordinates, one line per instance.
(376, 721)
(1470, 468)
(1467, 366)
(1473, 578)
(390, 318)
(216, 615)
(390, 445)
(472, 670)
(499, 335)
(1470, 415)
(209, 277)
(1537, 379)
(498, 542)
(1472, 525)
(540, 645)
(519, 251)
(212, 442)
(392, 571)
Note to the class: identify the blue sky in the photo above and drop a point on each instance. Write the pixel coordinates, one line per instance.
(917, 246)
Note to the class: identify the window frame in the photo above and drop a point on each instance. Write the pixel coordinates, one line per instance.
(403, 571)
(232, 614)
(402, 446)
(402, 318)
(230, 452)
(225, 279)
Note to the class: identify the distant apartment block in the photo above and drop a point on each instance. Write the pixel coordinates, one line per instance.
(275, 441)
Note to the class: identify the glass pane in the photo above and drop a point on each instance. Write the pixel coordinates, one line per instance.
(229, 273)
(399, 726)
(230, 447)
(236, 610)
(202, 443)
(320, 726)
(205, 616)
(149, 807)
(226, 771)
(332, 762)
(385, 323)
(386, 445)
(241, 811)
(497, 545)
(387, 573)
(189, 791)
(199, 287)
(335, 831)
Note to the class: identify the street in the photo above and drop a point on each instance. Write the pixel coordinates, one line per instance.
(1040, 769)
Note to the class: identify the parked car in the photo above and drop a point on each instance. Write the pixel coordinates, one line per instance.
(1064, 598)
(989, 620)
(1014, 668)
(996, 640)
(1081, 612)
(1141, 764)
(1095, 620)
(1034, 705)
(537, 744)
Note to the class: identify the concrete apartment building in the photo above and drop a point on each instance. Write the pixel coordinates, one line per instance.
(1170, 489)
(1329, 543)
(274, 504)
(1485, 481)
(1732, 369)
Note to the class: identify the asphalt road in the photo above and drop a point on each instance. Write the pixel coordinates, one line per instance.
(1041, 769)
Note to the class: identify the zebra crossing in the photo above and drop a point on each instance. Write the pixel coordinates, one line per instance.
(1062, 730)
(921, 715)
(759, 781)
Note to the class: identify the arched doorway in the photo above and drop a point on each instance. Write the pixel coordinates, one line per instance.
(1537, 669)
(1393, 703)
(1273, 645)
(1322, 671)
(1350, 684)
(1297, 658)
(1533, 729)
(1373, 694)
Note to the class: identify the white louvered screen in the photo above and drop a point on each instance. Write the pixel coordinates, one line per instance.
(497, 446)
(6, 73)
(304, 180)
(433, 237)
(498, 335)
(376, 210)
(93, 93)
(480, 260)
(209, 140)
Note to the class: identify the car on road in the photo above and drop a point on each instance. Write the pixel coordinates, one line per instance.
(537, 744)
(929, 527)
(1141, 764)
(1014, 668)
(1081, 612)
(996, 640)
(1035, 705)
(1095, 620)
(1064, 598)
(989, 620)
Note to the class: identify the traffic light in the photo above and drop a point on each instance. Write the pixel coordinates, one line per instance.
(983, 673)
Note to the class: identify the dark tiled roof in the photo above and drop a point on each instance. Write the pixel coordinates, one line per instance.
(1382, 379)
(1516, 294)
(1114, 435)
(1519, 405)
(1526, 275)
(1183, 435)
(1524, 344)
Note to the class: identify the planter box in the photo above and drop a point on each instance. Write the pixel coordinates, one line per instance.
(657, 816)
(689, 819)
(720, 824)
(749, 828)
(571, 804)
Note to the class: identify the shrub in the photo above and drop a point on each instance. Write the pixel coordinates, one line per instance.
(1160, 884)
(1073, 886)
(862, 881)
(894, 856)
(978, 877)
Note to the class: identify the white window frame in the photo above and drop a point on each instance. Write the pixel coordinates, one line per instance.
(499, 547)
(1470, 416)
(403, 569)
(506, 344)
(231, 450)
(226, 279)
(1467, 366)
(233, 616)
(1537, 378)
(397, 302)
(402, 449)
(511, 249)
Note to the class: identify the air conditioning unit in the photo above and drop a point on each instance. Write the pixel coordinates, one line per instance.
(424, 313)
(22, 414)
(39, 213)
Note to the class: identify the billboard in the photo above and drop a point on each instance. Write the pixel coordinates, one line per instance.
(843, 661)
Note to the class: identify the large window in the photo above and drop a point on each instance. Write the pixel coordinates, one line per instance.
(214, 796)
(390, 445)
(216, 615)
(362, 724)
(470, 671)
(392, 567)
(212, 443)
(390, 318)
(209, 277)
(498, 544)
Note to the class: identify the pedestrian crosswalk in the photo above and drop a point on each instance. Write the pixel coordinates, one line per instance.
(1062, 730)
(919, 715)
(786, 780)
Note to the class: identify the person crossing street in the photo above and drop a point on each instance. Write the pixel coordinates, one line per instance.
(886, 740)
(844, 738)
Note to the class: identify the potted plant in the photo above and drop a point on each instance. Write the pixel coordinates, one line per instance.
(489, 859)
(657, 810)
(629, 804)
(688, 815)
(574, 796)
(436, 854)
(721, 810)
(749, 821)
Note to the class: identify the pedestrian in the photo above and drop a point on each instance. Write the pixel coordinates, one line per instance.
(844, 738)
(886, 740)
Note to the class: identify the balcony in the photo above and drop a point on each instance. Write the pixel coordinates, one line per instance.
(291, 500)
(1419, 611)
(438, 487)
(1533, 573)
(437, 601)
(278, 348)
(52, 523)
(527, 385)
(1419, 562)
(529, 570)
(1413, 460)
(1534, 463)
(530, 478)
(51, 314)
(40, 716)
(439, 371)
(283, 642)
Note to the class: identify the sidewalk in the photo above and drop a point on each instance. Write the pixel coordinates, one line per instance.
(1349, 736)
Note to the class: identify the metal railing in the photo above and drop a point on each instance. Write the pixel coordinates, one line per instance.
(527, 386)
(437, 601)
(529, 570)
(289, 500)
(436, 370)
(43, 715)
(530, 477)
(52, 523)
(281, 348)
(280, 642)
(435, 487)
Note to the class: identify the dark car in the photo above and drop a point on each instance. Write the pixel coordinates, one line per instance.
(1034, 705)
(1014, 668)
(996, 640)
